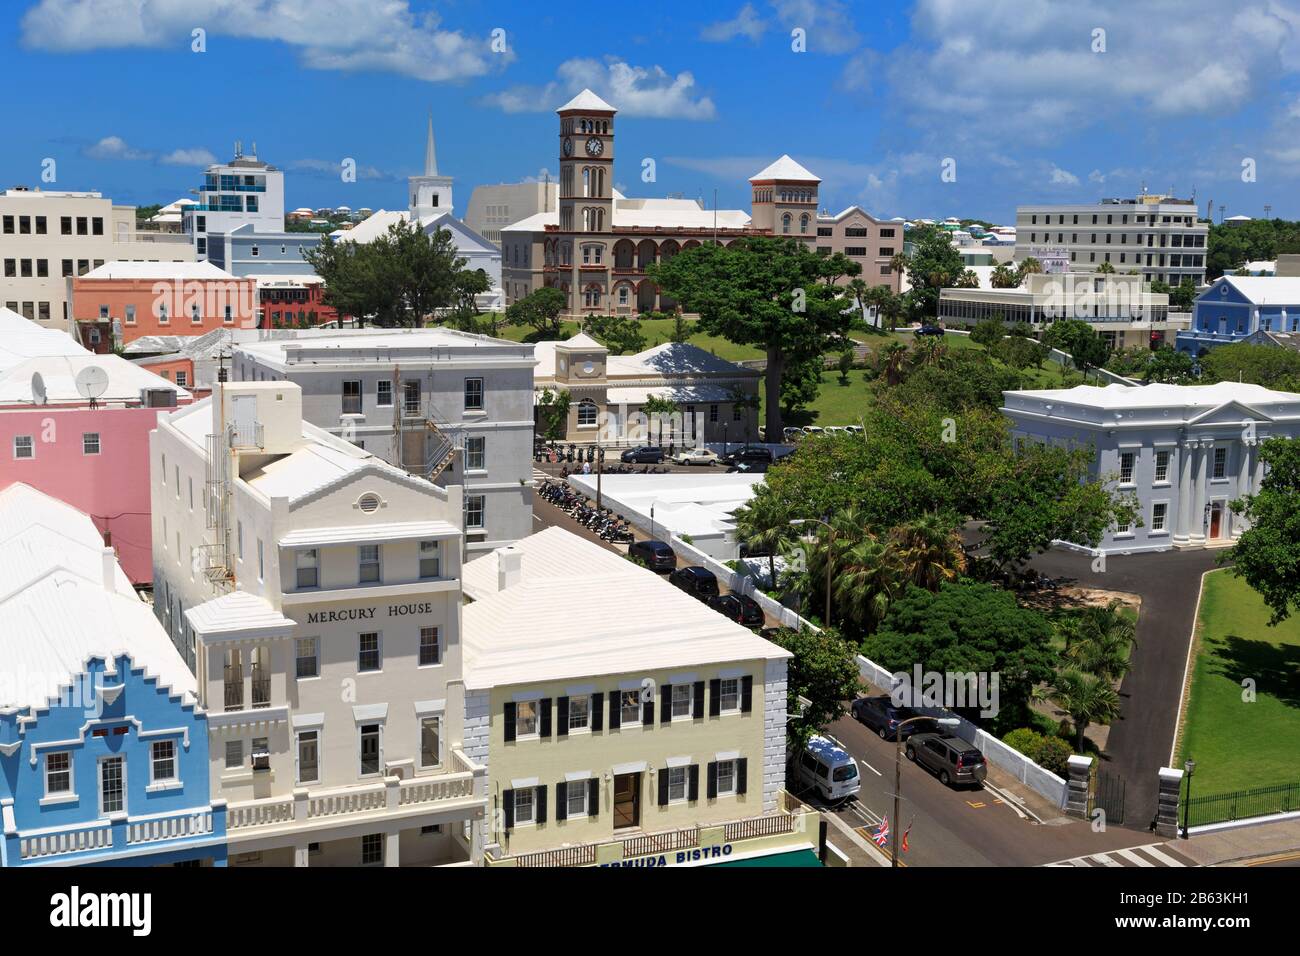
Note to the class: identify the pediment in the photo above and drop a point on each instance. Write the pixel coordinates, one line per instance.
(1230, 413)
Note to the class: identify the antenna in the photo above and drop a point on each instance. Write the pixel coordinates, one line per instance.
(39, 396)
(92, 382)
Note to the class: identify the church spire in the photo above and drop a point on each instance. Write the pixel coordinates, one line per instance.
(430, 160)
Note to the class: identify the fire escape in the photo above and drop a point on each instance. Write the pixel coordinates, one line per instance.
(214, 555)
(423, 445)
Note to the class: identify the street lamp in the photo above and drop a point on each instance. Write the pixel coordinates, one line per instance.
(898, 775)
(830, 551)
(724, 439)
(1189, 768)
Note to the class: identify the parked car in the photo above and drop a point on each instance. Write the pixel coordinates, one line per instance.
(953, 759)
(696, 456)
(751, 454)
(741, 608)
(929, 329)
(813, 430)
(853, 429)
(828, 768)
(644, 455)
(749, 467)
(881, 715)
(696, 581)
(656, 555)
(792, 433)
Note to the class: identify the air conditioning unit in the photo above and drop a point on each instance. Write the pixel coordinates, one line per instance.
(261, 760)
(158, 397)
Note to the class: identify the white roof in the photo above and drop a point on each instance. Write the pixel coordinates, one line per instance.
(158, 270)
(236, 611)
(334, 345)
(589, 613)
(1116, 396)
(784, 168)
(587, 100)
(22, 339)
(648, 214)
(362, 534)
(264, 280)
(59, 373)
(306, 470)
(580, 340)
(1266, 290)
(373, 226)
(57, 610)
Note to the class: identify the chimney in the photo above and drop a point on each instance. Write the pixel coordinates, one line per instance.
(510, 562)
(108, 557)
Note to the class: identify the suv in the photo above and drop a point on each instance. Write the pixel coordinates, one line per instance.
(741, 608)
(656, 555)
(883, 716)
(644, 455)
(696, 581)
(953, 759)
(929, 329)
(751, 455)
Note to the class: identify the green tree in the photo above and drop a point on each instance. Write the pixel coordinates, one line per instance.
(935, 264)
(763, 525)
(774, 293)
(618, 334)
(541, 310)
(1169, 366)
(1005, 276)
(553, 413)
(657, 409)
(1086, 348)
(1264, 365)
(1086, 698)
(800, 384)
(1105, 268)
(1267, 555)
(845, 365)
(1028, 266)
(824, 673)
(1101, 641)
(928, 551)
(682, 330)
(988, 333)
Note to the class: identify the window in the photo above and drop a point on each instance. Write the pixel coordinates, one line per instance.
(676, 784)
(729, 694)
(369, 750)
(368, 563)
(234, 754)
(308, 564)
(713, 413)
(430, 559)
(726, 777)
(306, 658)
(24, 446)
(473, 394)
(163, 761)
(372, 849)
(90, 443)
(1220, 463)
(261, 562)
(411, 398)
(58, 773)
(308, 756)
(352, 398)
(579, 712)
(1162, 466)
(586, 412)
(112, 785)
(681, 700)
(526, 718)
(182, 378)
(431, 742)
(524, 809)
(430, 649)
(736, 413)
(629, 707)
(1124, 528)
(475, 453)
(384, 394)
(97, 226)
(473, 511)
(368, 653)
(1159, 512)
(575, 799)
(1126, 468)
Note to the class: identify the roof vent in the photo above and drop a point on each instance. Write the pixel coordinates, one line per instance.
(369, 503)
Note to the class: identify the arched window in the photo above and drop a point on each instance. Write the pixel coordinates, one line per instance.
(586, 412)
(591, 297)
(803, 223)
(785, 223)
(586, 181)
(623, 295)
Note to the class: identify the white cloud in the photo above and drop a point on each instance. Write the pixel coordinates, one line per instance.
(196, 156)
(1063, 177)
(827, 23)
(347, 35)
(1096, 176)
(327, 169)
(115, 147)
(633, 90)
(746, 23)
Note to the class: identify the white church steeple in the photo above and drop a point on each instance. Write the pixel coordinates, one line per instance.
(430, 193)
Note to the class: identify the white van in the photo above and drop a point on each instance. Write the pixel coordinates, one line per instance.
(828, 768)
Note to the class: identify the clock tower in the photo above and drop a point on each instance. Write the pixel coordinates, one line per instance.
(586, 203)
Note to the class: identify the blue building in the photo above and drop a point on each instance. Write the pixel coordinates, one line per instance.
(1239, 309)
(243, 251)
(103, 747)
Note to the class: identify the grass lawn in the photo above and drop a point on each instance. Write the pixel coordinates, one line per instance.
(1239, 745)
(656, 332)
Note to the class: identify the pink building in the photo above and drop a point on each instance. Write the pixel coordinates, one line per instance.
(94, 455)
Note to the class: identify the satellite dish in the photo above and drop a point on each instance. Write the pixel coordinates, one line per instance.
(38, 389)
(92, 382)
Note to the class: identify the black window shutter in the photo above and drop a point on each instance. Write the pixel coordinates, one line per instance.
(715, 697)
(713, 780)
(746, 693)
(597, 711)
(648, 711)
(508, 804)
(510, 722)
(742, 766)
(615, 710)
(561, 799)
(693, 782)
(666, 704)
(697, 709)
(539, 803)
(663, 786)
(562, 716)
(544, 705)
(593, 797)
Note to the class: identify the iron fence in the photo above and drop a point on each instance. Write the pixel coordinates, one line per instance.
(1242, 804)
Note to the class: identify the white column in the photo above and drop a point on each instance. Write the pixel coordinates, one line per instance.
(1200, 480)
(300, 853)
(1243, 483)
(392, 852)
(1182, 530)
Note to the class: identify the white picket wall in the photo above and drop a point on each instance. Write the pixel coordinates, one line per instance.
(739, 583)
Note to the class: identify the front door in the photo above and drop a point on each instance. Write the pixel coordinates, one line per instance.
(1216, 520)
(627, 800)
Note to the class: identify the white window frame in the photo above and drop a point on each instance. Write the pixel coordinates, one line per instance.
(298, 656)
(690, 701)
(481, 510)
(623, 705)
(1132, 466)
(475, 448)
(372, 836)
(482, 396)
(731, 764)
(437, 645)
(685, 783)
(379, 651)
(362, 563)
(380, 387)
(1215, 473)
(586, 719)
(70, 790)
(86, 444)
(588, 413)
(531, 793)
(723, 694)
(536, 705)
(31, 448)
(1162, 464)
(300, 557)
(575, 799)
(99, 782)
(437, 719)
(297, 753)
(1164, 522)
(430, 551)
(380, 757)
(156, 780)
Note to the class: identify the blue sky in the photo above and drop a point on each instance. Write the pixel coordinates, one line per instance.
(1031, 101)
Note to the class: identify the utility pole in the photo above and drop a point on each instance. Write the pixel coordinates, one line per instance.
(600, 469)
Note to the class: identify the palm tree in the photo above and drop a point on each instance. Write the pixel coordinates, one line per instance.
(654, 405)
(1086, 698)
(857, 288)
(929, 351)
(898, 265)
(866, 577)
(928, 550)
(892, 357)
(1030, 266)
(764, 525)
(1004, 276)
(1102, 641)
(1106, 268)
(967, 279)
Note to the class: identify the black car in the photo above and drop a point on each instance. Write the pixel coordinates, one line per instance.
(883, 716)
(696, 581)
(656, 555)
(644, 455)
(928, 329)
(751, 455)
(741, 608)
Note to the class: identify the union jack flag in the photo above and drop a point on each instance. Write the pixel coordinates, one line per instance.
(881, 836)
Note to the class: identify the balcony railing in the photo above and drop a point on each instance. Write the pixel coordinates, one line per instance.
(118, 834)
(234, 681)
(261, 686)
(246, 435)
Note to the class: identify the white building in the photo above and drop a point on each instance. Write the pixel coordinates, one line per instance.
(492, 207)
(451, 406)
(244, 191)
(315, 591)
(1184, 451)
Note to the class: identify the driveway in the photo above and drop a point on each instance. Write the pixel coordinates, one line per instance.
(1168, 583)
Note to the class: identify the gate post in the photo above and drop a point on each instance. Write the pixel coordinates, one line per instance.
(1079, 769)
(1167, 801)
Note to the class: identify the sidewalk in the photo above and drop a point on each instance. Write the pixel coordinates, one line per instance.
(1241, 845)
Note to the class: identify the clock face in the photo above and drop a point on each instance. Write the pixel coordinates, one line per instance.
(595, 147)
(588, 369)
(568, 147)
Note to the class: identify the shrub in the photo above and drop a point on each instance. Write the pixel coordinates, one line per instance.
(1050, 753)
(1024, 740)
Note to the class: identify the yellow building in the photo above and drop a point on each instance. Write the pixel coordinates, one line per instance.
(620, 719)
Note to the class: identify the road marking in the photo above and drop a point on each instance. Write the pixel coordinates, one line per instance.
(871, 768)
(1164, 858)
(1104, 860)
(1134, 858)
(977, 806)
(1007, 799)
(1275, 858)
(1134, 855)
